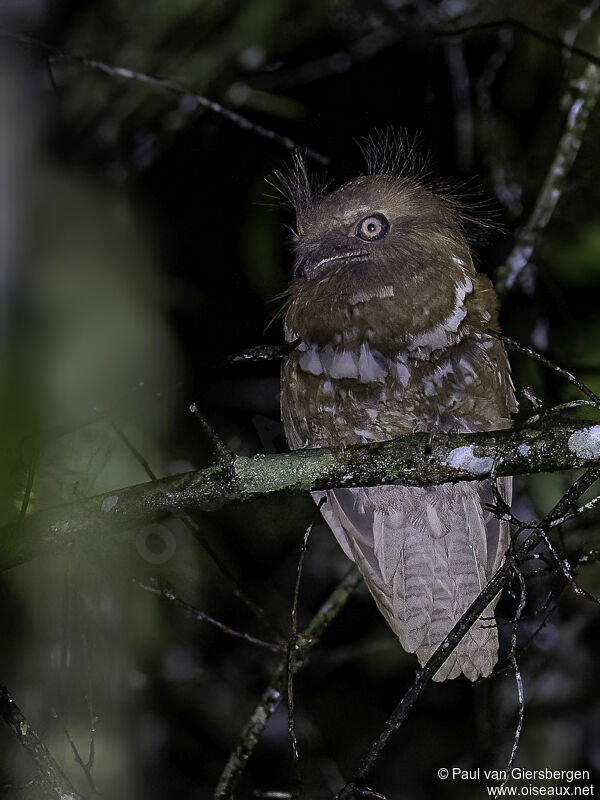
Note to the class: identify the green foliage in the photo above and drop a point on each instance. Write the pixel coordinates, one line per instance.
(577, 261)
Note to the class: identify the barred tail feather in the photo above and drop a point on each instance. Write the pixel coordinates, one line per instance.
(425, 555)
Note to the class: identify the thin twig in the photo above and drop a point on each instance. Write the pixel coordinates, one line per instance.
(93, 722)
(566, 570)
(549, 607)
(412, 460)
(461, 99)
(222, 452)
(134, 451)
(511, 22)
(582, 96)
(258, 611)
(425, 675)
(590, 557)
(195, 529)
(519, 348)
(258, 355)
(292, 653)
(518, 678)
(165, 84)
(507, 189)
(271, 697)
(88, 765)
(52, 777)
(167, 594)
(85, 766)
(29, 485)
(547, 413)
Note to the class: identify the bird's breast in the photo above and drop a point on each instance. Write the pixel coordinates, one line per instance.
(332, 394)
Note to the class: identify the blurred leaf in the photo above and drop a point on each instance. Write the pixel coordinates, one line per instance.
(578, 260)
(261, 245)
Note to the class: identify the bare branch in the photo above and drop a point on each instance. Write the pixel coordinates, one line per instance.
(164, 84)
(134, 451)
(494, 586)
(167, 594)
(88, 765)
(52, 776)
(221, 450)
(271, 697)
(28, 486)
(416, 460)
(511, 22)
(195, 529)
(582, 97)
(259, 354)
(515, 665)
(519, 348)
(293, 645)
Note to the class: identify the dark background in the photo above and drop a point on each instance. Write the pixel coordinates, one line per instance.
(141, 243)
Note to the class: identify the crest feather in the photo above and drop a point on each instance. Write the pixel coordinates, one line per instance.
(299, 189)
(394, 151)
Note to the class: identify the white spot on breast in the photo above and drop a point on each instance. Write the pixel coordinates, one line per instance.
(402, 371)
(380, 292)
(466, 366)
(291, 336)
(585, 443)
(343, 365)
(437, 337)
(433, 382)
(326, 356)
(365, 365)
(310, 361)
(459, 312)
(441, 372)
(523, 449)
(428, 388)
(433, 339)
(372, 365)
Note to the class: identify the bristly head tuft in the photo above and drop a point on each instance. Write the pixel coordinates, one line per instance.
(389, 153)
(394, 151)
(298, 189)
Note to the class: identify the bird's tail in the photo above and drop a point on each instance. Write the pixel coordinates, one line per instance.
(425, 555)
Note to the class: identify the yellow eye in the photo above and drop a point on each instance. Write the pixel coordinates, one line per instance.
(371, 228)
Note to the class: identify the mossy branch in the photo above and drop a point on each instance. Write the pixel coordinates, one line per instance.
(421, 459)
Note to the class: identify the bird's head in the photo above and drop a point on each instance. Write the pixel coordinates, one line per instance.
(383, 250)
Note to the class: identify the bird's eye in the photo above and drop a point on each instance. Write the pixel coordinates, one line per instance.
(371, 228)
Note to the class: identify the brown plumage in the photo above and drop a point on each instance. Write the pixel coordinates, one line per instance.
(392, 314)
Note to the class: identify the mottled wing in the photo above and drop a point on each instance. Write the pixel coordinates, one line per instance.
(425, 554)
